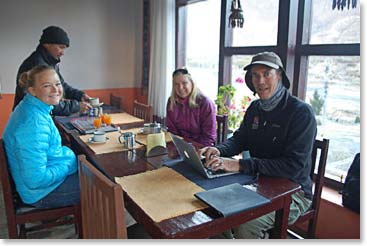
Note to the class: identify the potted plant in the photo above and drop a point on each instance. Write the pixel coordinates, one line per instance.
(227, 105)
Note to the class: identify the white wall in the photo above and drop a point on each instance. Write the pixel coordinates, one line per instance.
(105, 40)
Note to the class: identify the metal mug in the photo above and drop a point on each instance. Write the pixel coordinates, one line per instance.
(128, 140)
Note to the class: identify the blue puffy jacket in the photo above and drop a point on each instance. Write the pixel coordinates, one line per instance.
(37, 160)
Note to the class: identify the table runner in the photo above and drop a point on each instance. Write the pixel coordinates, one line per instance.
(162, 193)
(112, 145)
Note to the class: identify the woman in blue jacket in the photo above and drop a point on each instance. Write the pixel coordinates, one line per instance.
(44, 171)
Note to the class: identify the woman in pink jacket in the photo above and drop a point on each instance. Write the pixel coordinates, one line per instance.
(190, 114)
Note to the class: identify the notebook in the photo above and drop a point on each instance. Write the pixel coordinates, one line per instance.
(190, 156)
(231, 199)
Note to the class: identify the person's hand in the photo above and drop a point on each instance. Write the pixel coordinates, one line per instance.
(85, 98)
(84, 107)
(226, 164)
(209, 152)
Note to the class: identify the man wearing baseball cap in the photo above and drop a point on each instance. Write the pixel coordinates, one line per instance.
(52, 44)
(278, 130)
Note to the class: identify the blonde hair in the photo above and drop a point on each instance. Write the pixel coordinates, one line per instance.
(195, 93)
(28, 79)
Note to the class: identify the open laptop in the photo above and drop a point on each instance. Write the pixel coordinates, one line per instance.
(190, 156)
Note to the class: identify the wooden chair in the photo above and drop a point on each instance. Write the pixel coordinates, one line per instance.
(222, 128)
(319, 156)
(102, 204)
(143, 111)
(116, 101)
(18, 213)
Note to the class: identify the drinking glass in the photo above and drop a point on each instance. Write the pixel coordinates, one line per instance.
(97, 122)
(107, 119)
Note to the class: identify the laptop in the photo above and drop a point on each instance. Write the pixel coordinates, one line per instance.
(189, 155)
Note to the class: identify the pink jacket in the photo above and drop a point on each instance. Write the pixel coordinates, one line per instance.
(198, 124)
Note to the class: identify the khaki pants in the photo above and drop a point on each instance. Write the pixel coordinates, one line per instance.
(255, 229)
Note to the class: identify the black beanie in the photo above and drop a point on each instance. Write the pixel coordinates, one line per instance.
(54, 35)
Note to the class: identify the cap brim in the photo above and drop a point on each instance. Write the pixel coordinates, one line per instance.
(269, 64)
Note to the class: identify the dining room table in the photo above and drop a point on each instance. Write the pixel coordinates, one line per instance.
(115, 162)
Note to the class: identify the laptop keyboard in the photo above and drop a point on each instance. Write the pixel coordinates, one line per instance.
(211, 171)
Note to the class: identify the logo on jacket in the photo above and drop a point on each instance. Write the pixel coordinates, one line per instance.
(255, 123)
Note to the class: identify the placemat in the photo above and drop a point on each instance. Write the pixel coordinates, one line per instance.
(142, 138)
(162, 193)
(190, 173)
(111, 145)
(124, 118)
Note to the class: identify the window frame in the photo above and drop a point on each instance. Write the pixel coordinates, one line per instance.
(294, 17)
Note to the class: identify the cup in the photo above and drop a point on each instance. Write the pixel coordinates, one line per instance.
(99, 136)
(94, 101)
(128, 140)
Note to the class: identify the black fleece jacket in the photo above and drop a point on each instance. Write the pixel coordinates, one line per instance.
(42, 57)
(280, 141)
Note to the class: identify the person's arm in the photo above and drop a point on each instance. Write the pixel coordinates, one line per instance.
(66, 107)
(208, 132)
(33, 160)
(235, 144)
(297, 152)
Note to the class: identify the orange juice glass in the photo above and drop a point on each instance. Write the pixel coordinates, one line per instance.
(97, 122)
(107, 119)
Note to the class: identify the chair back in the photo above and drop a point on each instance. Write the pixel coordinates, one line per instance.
(18, 213)
(102, 204)
(222, 128)
(7, 187)
(319, 157)
(116, 101)
(143, 111)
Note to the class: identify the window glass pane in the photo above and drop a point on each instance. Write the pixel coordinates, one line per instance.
(203, 22)
(260, 26)
(333, 90)
(334, 26)
(243, 95)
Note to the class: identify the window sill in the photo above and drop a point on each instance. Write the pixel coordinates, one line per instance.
(331, 195)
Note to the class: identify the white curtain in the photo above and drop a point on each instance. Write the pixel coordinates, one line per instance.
(162, 54)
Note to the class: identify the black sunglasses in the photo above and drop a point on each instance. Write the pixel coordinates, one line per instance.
(180, 71)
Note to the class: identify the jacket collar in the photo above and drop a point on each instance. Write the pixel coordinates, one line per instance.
(47, 56)
(30, 99)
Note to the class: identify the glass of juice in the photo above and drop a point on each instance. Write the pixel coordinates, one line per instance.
(97, 122)
(107, 119)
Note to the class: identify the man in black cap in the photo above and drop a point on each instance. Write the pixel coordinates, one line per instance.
(52, 45)
(279, 131)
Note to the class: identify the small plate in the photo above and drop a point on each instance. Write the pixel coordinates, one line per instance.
(90, 140)
(97, 105)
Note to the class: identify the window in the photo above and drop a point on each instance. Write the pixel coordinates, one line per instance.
(200, 43)
(333, 90)
(332, 80)
(332, 26)
(319, 47)
(265, 20)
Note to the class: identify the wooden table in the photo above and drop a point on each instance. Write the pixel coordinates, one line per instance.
(199, 224)
(121, 119)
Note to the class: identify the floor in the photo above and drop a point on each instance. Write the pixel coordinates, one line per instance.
(135, 231)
